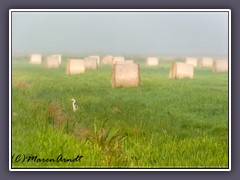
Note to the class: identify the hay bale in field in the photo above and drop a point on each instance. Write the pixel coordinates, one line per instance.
(125, 75)
(107, 59)
(220, 66)
(90, 63)
(152, 61)
(75, 66)
(129, 61)
(59, 57)
(205, 62)
(191, 60)
(52, 61)
(35, 59)
(98, 59)
(117, 59)
(180, 70)
(125, 62)
(167, 58)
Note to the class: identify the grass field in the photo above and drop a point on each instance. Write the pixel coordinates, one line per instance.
(161, 124)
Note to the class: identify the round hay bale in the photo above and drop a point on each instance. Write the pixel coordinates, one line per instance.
(52, 61)
(117, 59)
(107, 59)
(205, 62)
(191, 60)
(97, 57)
(59, 57)
(75, 66)
(35, 59)
(180, 70)
(152, 61)
(129, 61)
(167, 58)
(125, 75)
(125, 62)
(220, 65)
(90, 63)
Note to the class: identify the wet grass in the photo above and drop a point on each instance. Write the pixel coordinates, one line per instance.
(163, 123)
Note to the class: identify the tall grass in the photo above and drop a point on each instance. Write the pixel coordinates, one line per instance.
(163, 123)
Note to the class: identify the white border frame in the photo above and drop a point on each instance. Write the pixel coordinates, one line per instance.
(119, 10)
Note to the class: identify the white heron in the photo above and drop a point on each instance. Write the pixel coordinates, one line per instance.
(75, 107)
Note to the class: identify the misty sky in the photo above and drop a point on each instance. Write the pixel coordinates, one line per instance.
(156, 33)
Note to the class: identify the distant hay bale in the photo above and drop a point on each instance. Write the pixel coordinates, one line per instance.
(167, 58)
(191, 60)
(125, 75)
(90, 63)
(152, 61)
(35, 59)
(98, 59)
(180, 70)
(220, 66)
(205, 62)
(107, 59)
(117, 59)
(125, 62)
(129, 61)
(52, 61)
(59, 57)
(75, 66)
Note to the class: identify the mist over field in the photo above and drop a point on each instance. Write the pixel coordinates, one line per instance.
(120, 89)
(140, 33)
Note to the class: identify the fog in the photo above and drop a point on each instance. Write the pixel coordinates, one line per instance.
(151, 33)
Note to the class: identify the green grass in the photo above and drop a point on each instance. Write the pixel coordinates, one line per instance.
(163, 123)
